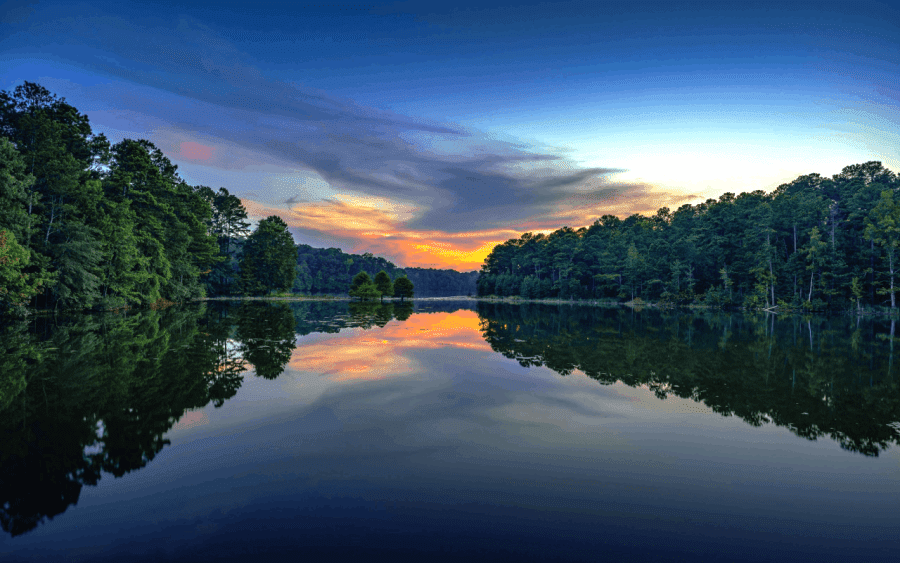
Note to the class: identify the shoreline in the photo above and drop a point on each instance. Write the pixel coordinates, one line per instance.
(508, 300)
(585, 302)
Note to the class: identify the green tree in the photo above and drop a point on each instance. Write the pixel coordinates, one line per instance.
(228, 223)
(635, 268)
(883, 227)
(16, 286)
(363, 287)
(269, 258)
(61, 154)
(403, 288)
(14, 184)
(815, 257)
(383, 284)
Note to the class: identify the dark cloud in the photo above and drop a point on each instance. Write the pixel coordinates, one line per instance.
(204, 85)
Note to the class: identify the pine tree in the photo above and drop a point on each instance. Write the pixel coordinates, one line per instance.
(269, 258)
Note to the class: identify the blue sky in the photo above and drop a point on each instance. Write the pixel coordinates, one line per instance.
(426, 132)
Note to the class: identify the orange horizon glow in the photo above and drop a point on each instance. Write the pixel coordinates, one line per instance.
(377, 225)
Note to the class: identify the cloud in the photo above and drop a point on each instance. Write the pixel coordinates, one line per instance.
(376, 178)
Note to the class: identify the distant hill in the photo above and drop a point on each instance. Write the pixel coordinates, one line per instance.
(330, 270)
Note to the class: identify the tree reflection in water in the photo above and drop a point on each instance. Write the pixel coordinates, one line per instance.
(97, 394)
(816, 376)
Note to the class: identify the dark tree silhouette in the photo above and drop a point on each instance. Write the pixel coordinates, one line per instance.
(403, 288)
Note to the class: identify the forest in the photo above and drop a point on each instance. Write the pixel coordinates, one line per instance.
(815, 243)
(91, 225)
(330, 271)
(87, 224)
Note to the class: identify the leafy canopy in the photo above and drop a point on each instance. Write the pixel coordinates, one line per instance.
(269, 258)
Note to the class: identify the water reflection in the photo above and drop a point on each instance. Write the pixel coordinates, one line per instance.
(816, 376)
(98, 394)
(360, 354)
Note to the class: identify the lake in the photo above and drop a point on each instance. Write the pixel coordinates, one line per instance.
(447, 430)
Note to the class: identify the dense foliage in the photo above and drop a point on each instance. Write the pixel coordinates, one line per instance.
(384, 285)
(433, 282)
(404, 288)
(269, 258)
(86, 224)
(363, 288)
(815, 242)
(100, 226)
(230, 227)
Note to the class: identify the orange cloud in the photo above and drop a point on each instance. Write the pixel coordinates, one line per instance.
(378, 353)
(195, 151)
(377, 225)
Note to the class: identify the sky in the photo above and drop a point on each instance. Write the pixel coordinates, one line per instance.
(427, 132)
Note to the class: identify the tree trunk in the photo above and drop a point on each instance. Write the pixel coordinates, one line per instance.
(811, 275)
(50, 224)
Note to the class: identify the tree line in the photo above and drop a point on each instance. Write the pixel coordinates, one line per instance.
(87, 224)
(331, 271)
(815, 243)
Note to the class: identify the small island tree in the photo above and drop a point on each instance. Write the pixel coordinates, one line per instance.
(363, 287)
(403, 288)
(383, 284)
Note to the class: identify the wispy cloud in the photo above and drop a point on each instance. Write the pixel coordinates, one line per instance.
(386, 182)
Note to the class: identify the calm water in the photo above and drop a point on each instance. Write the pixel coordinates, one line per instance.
(448, 431)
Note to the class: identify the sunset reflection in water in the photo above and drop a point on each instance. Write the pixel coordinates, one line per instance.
(379, 353)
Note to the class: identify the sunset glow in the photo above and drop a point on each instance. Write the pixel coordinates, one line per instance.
(426, 133)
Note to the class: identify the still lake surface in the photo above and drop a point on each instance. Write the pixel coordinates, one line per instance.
(447, 431)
